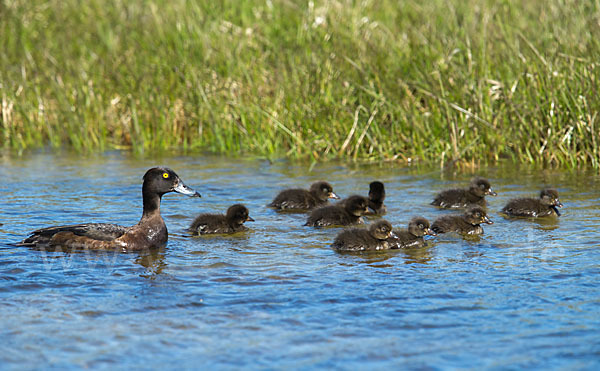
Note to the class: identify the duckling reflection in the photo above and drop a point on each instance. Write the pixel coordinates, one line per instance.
(376, 258)
(417, 255)
(369, 257)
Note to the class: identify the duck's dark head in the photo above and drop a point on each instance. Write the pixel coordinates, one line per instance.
(549, 197)
(376, 191)
(481, 187)
(323, 190)
(357, 205)
(161, 180)
(381, 230)
(238, 214)
(420, 227)
(477, 215)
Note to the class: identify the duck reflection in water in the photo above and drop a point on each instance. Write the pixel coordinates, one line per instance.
(153, 260)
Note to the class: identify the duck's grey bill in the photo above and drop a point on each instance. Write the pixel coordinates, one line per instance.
(185, 190)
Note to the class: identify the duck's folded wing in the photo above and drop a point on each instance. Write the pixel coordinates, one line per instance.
(94, 231)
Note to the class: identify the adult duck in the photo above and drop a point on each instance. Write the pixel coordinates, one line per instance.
(150, 232)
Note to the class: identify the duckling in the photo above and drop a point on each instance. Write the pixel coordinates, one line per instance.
(149, 232)
(376, 197)
(302, 199)
(357, 239)
(468, 223)
(413, 237)
(229, 223)
(348, 212)
(463, 198)
(546, 205)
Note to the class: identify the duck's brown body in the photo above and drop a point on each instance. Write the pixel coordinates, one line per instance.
(149, 233)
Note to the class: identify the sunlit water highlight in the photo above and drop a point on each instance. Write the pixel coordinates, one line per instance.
(524, 295)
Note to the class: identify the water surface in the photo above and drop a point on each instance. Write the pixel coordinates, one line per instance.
(526, 294)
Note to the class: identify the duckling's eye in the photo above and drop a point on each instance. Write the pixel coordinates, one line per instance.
(166, 175)
(421, 226)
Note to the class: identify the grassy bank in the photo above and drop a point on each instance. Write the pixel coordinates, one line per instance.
(462, 81)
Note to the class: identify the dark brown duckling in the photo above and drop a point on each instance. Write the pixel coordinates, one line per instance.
(150, 232)
(376, 197)
(357, 239)
(413, 237)
(468, 223)
(232, 222)
(463, 198)
(348, 212)
(546, 205)
(302, 199)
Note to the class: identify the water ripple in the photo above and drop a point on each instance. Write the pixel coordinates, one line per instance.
(525, 294)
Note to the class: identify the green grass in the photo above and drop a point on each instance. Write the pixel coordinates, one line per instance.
(441, 81)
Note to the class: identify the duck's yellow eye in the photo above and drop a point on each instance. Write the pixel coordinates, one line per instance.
(166, 175)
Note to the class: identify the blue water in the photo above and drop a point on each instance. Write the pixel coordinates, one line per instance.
(526, 294)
